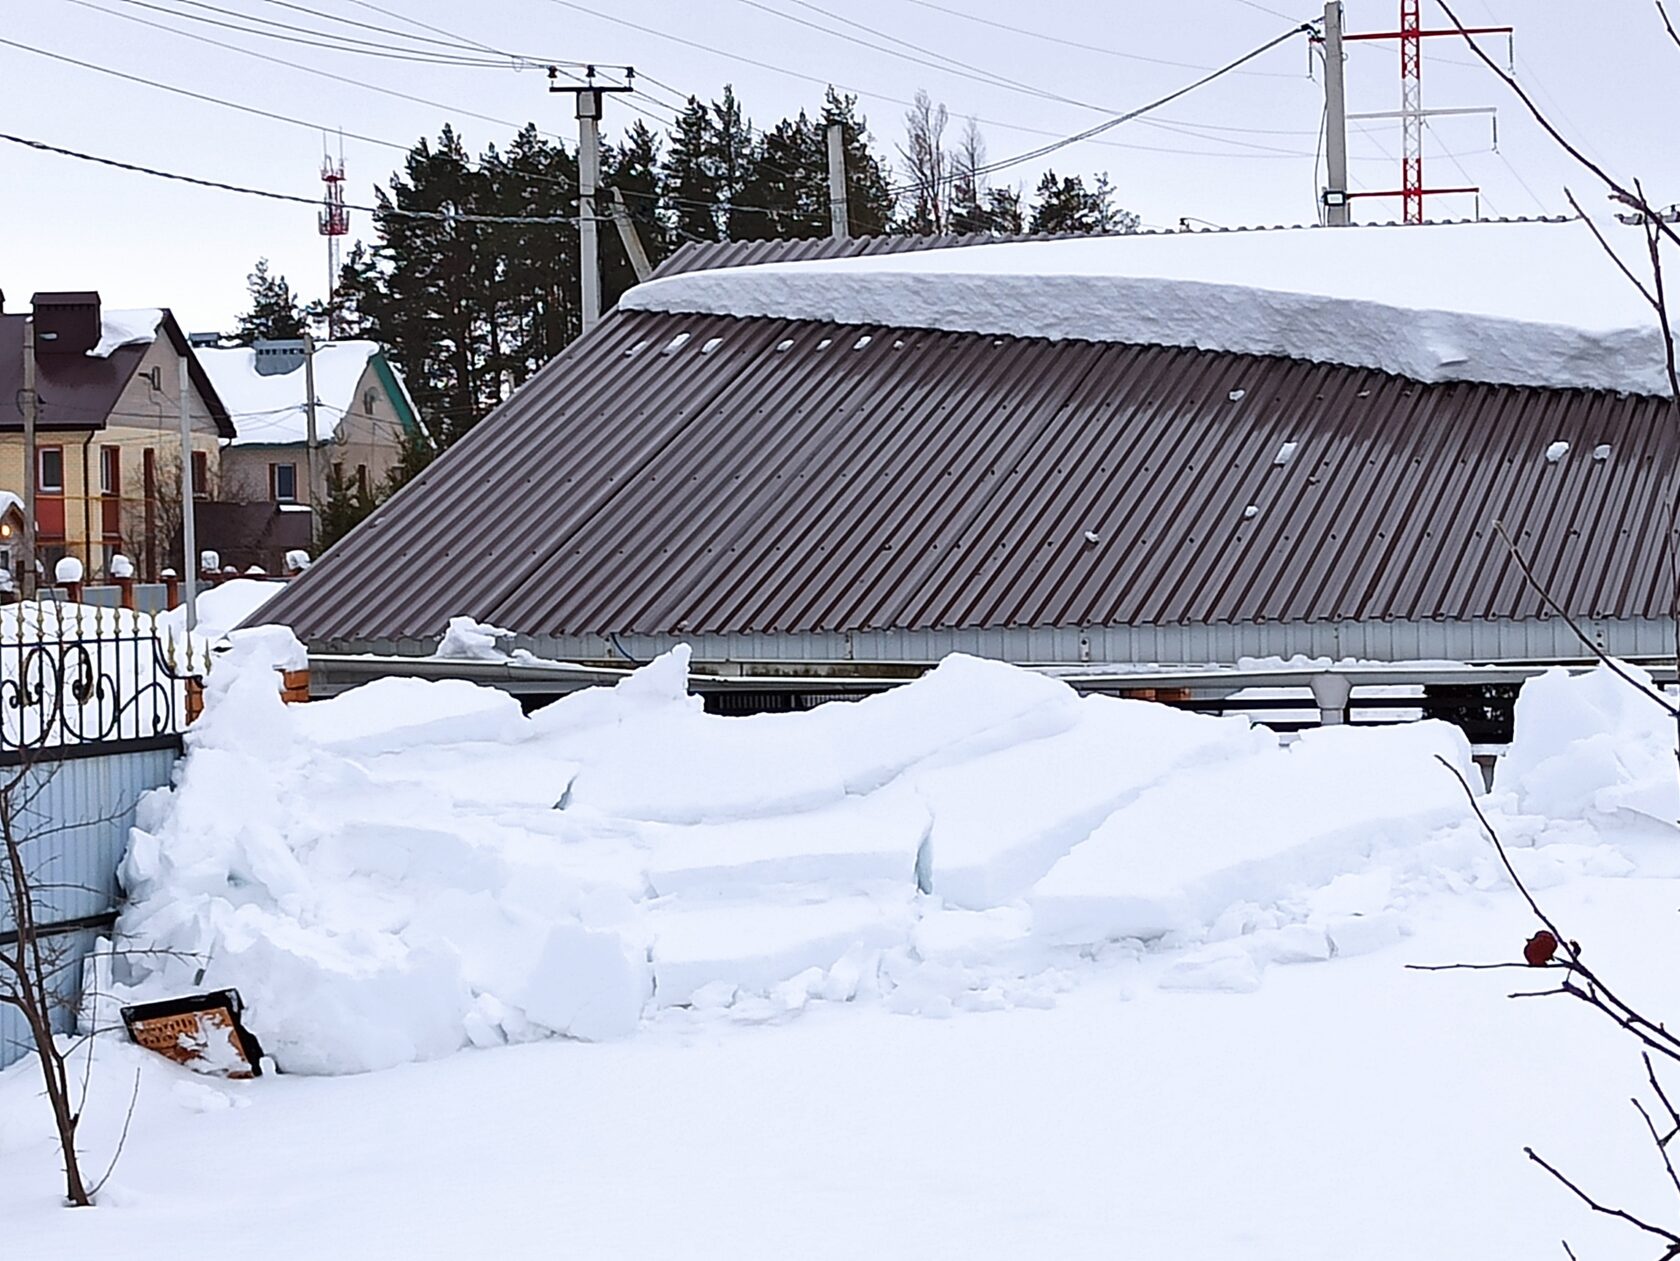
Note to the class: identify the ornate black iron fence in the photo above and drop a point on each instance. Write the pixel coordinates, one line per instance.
(74, 674)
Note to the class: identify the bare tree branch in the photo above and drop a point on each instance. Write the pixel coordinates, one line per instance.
(1615, 666)
(1620, 1213)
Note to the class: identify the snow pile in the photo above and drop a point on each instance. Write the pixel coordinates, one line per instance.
(1595, 747)
(126, 328)
(1283, 819)
(467, 640)
(1509, 303)
(273, 408)
(220, 608)
(415, 866)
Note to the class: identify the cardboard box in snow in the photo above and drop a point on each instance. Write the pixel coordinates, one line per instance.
(202, 1032)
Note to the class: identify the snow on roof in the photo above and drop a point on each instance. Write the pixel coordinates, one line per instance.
(1509, 303)
(125, 328)
(271, 409)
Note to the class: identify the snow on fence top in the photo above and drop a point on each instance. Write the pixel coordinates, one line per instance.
(1527, 303)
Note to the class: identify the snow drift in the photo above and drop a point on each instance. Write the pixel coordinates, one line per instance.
(413, 866)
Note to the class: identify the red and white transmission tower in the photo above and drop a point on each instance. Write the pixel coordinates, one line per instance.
(1411, 113)
(334, 222)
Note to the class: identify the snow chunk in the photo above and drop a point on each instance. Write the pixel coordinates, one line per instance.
(467, 640)
(1556, 452)
(1001, 821)
(389, 715)
(1507, 303)
(67, 570)
(755, 946)
(1250, 828)
(126, 328)
(1285, 453)
(1592, 746)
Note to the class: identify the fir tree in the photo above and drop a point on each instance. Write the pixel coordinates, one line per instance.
(274, 314)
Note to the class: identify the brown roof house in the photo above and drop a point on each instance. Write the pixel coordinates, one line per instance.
(1187, 447)
(108, 457)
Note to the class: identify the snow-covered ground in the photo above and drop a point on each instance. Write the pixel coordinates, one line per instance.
(973, 968)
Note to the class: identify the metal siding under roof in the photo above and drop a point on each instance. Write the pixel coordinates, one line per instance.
(797, 478)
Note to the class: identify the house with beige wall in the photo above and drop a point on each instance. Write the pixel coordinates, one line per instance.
(108, 432)
(362, 414)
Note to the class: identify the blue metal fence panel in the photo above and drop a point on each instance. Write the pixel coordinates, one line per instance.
(74, 821)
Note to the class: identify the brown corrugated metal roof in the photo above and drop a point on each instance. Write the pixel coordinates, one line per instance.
(767, 475)
(713, 255)
(80, 391)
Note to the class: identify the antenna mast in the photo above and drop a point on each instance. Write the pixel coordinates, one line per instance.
(334, 222)
(1411, 113)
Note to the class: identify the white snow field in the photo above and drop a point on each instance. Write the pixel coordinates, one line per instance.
(974, 968)
(1509, 303)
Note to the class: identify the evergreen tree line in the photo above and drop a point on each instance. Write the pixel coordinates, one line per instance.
(468, 311)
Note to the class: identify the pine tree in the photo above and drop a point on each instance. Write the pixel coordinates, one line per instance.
(631, 167)
(787, 189)
(434, 307)
(536, 310)
(418, 449)
(348, 505)
(689, 189)
(1066, 205)
(732, 155)
(274, 314)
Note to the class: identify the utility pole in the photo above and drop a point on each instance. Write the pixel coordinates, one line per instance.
(631, 238)
(839, 227)
(312, 438)
(31, 413)
(189, 500)
(1334, 196)
(589, 176)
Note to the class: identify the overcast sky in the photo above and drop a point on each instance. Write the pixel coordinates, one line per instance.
(1239, 151)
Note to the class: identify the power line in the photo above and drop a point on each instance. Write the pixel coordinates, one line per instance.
(1087, 47)
(862, 93)
(1089, 132)
(201, 96)
(962, 69)
(344, 44)
(453, 42)
(306, 69)
(294, 198)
